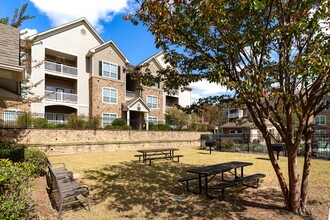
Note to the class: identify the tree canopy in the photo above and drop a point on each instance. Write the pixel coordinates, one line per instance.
(274, 54)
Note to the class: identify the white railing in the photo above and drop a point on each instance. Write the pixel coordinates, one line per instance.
(61, 69)
(129, 95)
(57, 122)
(233, 115)
(60, 97)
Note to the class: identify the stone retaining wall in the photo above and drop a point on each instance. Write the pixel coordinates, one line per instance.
(61, 141)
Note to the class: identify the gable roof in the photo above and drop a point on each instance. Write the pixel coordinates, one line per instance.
(68, 26)
(153, 57)
(132, 102)
(105, 45)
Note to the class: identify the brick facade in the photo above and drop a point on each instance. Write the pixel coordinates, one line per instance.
(97, 107)
(9, 45)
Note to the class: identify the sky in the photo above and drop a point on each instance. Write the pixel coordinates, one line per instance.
(106, 17)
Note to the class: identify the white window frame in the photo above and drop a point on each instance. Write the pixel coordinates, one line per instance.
(151, 104)
(110, 97)
(104, 115)
(10, 115)
(109, 70)
(152, 119)
(318, 117)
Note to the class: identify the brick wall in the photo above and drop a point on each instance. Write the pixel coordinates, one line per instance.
(159, 112)
(9, 45)
(97, 107)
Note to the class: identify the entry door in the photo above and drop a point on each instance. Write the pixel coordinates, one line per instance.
(59, 94)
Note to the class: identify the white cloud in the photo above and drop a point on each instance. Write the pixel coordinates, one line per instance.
(28, 32)
(63, 11)
(204, 88)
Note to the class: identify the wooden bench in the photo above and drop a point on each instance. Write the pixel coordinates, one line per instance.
(163, 157)
(68, 189)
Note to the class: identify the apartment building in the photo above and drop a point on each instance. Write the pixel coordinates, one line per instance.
(81, 74)
(11, 70)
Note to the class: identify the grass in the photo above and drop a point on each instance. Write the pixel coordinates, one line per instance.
(122, 188)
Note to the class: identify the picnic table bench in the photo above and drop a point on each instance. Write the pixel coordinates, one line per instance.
(147, 155)
(208, 173)
(62, 182)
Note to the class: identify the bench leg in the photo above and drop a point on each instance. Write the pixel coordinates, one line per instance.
(60, 210)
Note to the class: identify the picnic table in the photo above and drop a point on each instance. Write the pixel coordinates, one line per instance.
(206, 174)
(156, 154)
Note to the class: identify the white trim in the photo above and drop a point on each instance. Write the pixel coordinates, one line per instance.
(109, 96)
(110, 63)
(319, 116)
(153, 117)
(156, 103)
(113, 114)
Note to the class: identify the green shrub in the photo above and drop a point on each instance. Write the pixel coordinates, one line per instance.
(1, 123)
(119, 122)
(57, 126)
(38, 159)
(12, 151)
(16, 190)
(226, 145)
(109, 127)
(126, 127)
(117, 127)
(164, 127)
(152, 126)
(24, 120)
(93, 123)
(76, 121)
(40, 123)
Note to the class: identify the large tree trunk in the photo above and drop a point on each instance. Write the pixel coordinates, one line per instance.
(307, 166)
(293, 202)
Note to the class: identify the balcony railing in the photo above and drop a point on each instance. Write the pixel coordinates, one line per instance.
(233, 115)
(60, 97)
(61, 69)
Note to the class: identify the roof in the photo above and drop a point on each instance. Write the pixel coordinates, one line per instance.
(69, 25)
(105, 45)
(242, 125)
(132, 102)
(152, 57)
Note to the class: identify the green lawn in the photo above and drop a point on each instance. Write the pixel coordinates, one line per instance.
(122, 188)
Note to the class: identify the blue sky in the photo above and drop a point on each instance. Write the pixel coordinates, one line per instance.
(106, 17)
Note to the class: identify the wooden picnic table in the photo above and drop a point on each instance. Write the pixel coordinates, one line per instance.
(206, 174)
(160, 153)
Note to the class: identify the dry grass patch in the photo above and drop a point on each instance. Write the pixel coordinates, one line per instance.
(122, 188)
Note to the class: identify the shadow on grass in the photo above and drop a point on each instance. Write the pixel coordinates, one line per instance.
(262, 158)
(133, 184)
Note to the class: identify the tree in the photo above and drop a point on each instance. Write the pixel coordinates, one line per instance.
(176, 117)
(18, 18)
(273, 54)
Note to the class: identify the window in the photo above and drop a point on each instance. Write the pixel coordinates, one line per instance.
(319, 120)
(152, 101)
(153, 120)
(109, 95)
(10, 115)
(109, 70)
(156, 85)
(107, 119)
(320, 132)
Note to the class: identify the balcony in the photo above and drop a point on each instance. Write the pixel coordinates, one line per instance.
(61, 97)
(129, 95)
(233, 115)
(61, 69)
